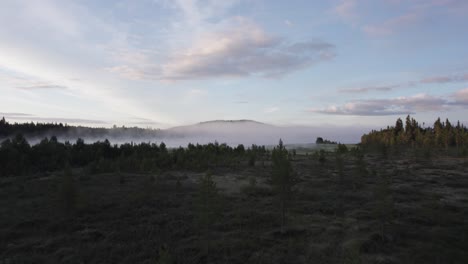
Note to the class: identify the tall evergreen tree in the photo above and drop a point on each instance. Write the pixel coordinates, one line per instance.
(283, 179)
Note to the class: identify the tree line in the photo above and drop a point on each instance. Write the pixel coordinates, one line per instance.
(411, 133)
(7, 129)
(41, 130)
(18, 157)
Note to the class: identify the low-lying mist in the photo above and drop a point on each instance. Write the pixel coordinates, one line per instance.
(230, 132)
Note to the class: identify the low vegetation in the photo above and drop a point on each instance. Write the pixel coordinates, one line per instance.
(373, 202)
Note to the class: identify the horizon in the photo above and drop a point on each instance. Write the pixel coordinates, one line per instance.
(162, 64)
(232, 132)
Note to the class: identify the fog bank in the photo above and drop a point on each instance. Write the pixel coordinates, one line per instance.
(231, 132)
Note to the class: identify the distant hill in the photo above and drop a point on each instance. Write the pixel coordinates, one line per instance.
(240, 121)
(233, 132)
(220, 127)
(229, 131)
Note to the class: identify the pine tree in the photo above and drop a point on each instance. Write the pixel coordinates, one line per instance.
(340, 186)
(283, 179)
(208, 209)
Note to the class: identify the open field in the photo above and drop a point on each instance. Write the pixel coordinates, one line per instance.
(401, 210)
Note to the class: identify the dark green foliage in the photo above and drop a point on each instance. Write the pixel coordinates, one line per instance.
(7, 129)
(283, 178)
(464, 152)
(164, 257)
(207, 201)
(320, 140)
(253, 181)
(252, 161)
(322, 157)
(17, 157)
(396, 217)
(442, 135)
(360, 171)
(68, 193)
(383, 151)
(143, 206)
(384, 207)
(340, 186)
(208, 210)
(341, 149)
(40, 130)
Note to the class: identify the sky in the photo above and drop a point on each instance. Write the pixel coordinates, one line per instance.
(162, 63)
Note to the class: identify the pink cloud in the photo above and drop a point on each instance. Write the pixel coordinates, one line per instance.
(446, 78)
(461, 96)
(399, 105)
(392, 106)
(389, 26)
(346, 9)
(415, 12)
(239, 48)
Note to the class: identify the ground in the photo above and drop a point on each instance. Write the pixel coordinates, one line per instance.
(403, 209)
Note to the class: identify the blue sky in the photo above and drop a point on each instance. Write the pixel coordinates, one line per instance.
(161, 63)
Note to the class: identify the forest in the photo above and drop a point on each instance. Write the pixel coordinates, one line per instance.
(399, 196)
(411, 134)
(40, 130)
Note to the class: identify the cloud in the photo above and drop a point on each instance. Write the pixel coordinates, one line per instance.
(25, 117)
(288, 23)
(22, 81)
(68, 120)
(147, 123)
(385, 88)
(410, 13)
(195, 92)
(446, 79)
(270, 110)
(389, 26)
(32, 118)
(439, 79)
(14, 115)
(144, 121)
(461, 97)
(43, 86)
(197, 11)
(382, 107)
(346, 9)
(237, 48)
